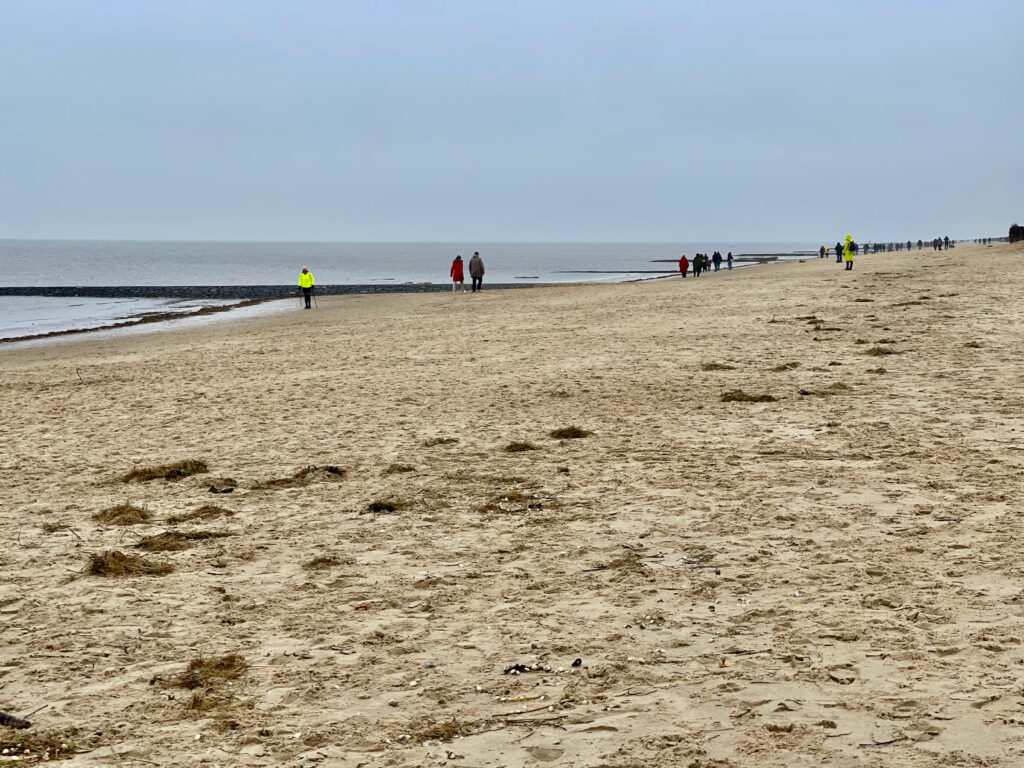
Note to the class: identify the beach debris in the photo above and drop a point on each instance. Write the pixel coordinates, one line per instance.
(713, 366)
(516, 669)
(204, 512)
(880, 351)
(396, 469)
(13, 722)
(176, 471)
(114, 563)
(123, 514)
(434, 441)
(305, 476)
(214, 488)
(519, 447)
(381, 507)
(23, 746)
(739, 396)
(174, 541)
(570, 433)
(577, 662)
(208, 672)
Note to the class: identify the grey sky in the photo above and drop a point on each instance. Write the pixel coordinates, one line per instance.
(577, 120)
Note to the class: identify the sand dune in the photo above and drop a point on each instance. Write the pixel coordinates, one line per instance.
(829, 578)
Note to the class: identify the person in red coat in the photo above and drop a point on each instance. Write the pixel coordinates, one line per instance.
(456, 272)
(684, 265)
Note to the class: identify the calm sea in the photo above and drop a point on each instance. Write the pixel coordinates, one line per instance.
(95, 262)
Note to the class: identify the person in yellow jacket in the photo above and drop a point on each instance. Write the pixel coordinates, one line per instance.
(306, 283)
(848, 250)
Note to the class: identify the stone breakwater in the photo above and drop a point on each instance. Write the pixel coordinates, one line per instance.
(230, 291)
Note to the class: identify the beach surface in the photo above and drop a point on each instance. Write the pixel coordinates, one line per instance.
(828, 578)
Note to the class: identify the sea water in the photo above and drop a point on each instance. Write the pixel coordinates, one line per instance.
(114, 263)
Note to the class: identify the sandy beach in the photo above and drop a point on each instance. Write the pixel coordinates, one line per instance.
(788, 535)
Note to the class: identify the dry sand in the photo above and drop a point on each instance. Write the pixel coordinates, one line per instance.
(830, 579)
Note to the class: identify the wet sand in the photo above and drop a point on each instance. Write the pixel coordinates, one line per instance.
(830, 578)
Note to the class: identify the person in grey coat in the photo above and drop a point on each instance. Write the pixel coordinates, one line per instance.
(476, 271)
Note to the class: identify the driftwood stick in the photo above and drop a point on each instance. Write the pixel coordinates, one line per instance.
(12, 721)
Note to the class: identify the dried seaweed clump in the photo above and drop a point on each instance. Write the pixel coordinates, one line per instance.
(447, 730)
(879, 351)
(739, 396)
(205, 512)
(114, 563)
(304, 477)
(173, 541)
(433, 441)
(786, 367)
(569, 433)
(123, 514)
(385, 506)
(175, 471)
(397, 469)
(210, 672)
(519, 447)
(713, 366)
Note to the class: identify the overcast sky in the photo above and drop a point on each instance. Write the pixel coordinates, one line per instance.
(467, 120)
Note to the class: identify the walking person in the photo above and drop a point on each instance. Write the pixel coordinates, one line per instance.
(717, 260)
(684, 265)
(839, 253)
(821, 252)
(458, 280)
(728, 260)
(306, 283)
(848, 250)
(476, 271)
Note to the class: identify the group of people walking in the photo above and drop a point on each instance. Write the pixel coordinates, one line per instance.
(701, 263)
(457, 273)
(844, 251)
(476, 273)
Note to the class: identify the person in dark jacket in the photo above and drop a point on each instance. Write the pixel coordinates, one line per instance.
(728, 260)
(717, 260)
(476, 272)
(839, 253)
(684, 265)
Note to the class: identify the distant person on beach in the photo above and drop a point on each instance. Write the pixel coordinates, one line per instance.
(729, 259)
(848, 251)
(909, 245)
(839, 253)
(821, 252)
(458, 280)
(476, 272)
(946, 241)
(306, 283)
(920, 243)
(684, 265)
(717, 259)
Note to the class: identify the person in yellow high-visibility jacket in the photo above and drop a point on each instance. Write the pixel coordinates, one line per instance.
(306, 283)
(848, 250)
